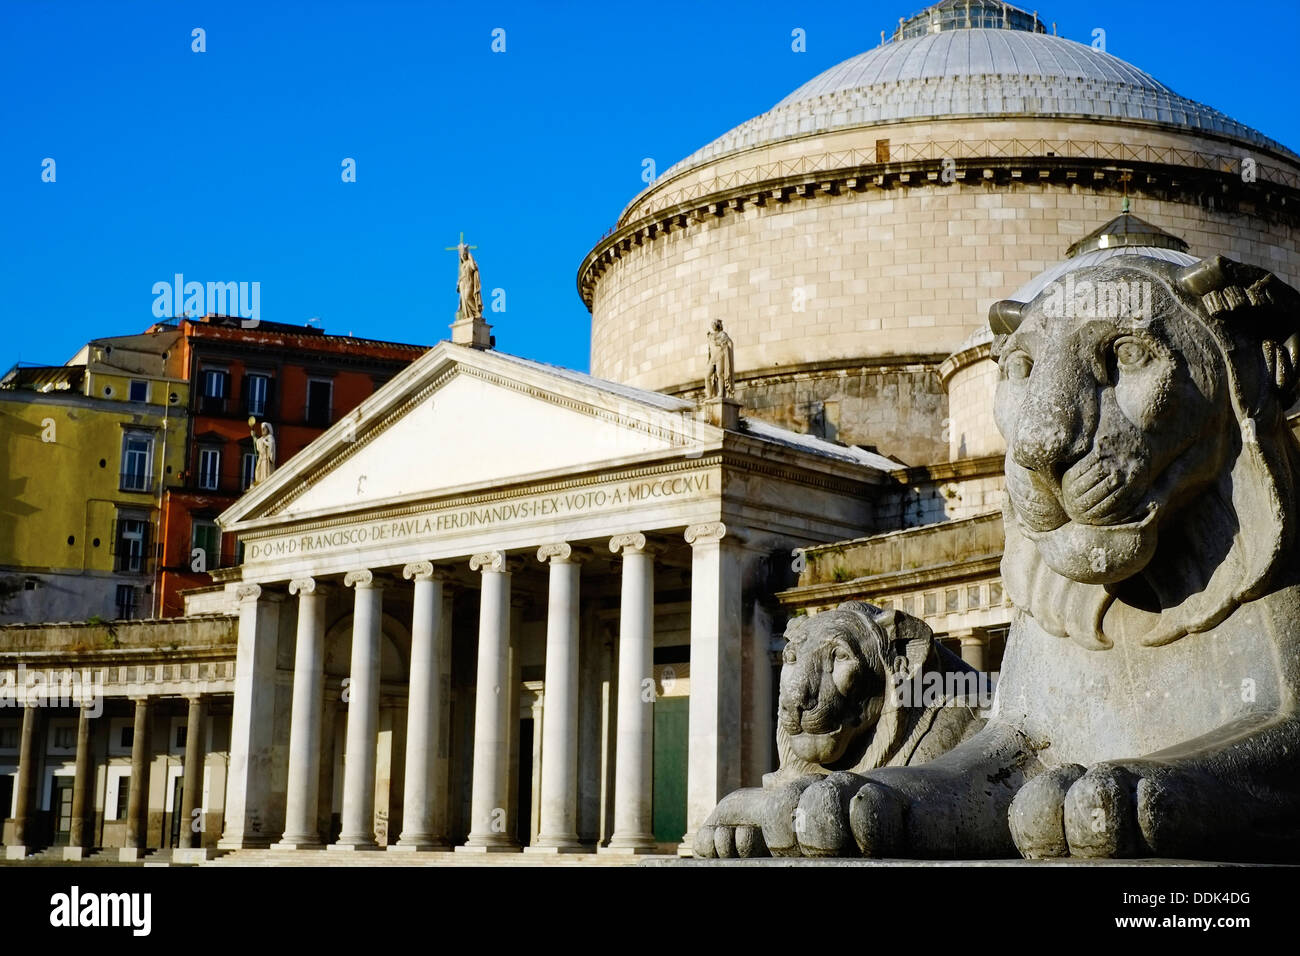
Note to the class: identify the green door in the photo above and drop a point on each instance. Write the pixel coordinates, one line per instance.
(670, 744)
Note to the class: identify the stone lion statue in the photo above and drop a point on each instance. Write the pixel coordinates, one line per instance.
(860, 688)
(1147, 701)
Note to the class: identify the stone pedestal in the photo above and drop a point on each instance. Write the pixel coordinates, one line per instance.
(723, 412)
(475, 333)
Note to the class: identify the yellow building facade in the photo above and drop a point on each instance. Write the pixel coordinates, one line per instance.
(85, 450)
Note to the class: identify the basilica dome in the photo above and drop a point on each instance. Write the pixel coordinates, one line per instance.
(854, 235)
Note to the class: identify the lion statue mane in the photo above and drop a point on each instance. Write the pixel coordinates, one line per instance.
(1147, 701)
(860, 688)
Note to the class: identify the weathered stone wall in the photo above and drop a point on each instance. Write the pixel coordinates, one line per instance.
(899, 408)
(169, 634)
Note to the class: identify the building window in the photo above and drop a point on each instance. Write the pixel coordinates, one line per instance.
(179, 743)
(973, 596)
(9, 738)
(216, 388)
(951, 601)
(206, 537)
(139, 391)
(320, 398)
(882, 150)
(125, 600)
(123, 798)
(131, 543)
(63, 737)
(137, 461)
(209, 468)
(905, 604)
(995, 594)
(247, 469)
(931, 604)
(257, 394)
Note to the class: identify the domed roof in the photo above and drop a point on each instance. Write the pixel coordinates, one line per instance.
(973, 72)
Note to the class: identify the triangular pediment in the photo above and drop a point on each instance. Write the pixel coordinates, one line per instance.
(459, 420)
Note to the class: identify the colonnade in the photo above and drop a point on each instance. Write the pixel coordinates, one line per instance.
(715, 702)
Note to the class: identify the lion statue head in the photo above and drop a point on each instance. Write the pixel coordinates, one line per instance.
(1143, 406)
(839, 706)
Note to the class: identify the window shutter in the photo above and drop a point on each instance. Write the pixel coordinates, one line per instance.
(270, 396)
(243, 392)
(112, 538)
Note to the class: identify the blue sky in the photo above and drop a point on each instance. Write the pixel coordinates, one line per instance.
(225, 165)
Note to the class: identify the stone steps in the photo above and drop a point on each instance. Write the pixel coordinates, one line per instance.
(274, 857)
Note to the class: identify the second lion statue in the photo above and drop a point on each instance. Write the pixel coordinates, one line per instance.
(1147, 702)
(860, 688)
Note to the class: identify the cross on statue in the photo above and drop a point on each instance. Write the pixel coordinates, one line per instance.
(456, 248)
(467, 282)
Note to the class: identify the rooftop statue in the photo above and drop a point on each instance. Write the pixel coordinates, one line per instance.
(468, 285)
(1147, 701)
(720, 379)
(264, 445)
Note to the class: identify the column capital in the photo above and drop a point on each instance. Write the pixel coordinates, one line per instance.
(425, 571)
(364, 578)
(306, 585)
(710, 532)
(489, 561)
(558, 552)
(248, 592)
(196, 697)
(633, 541)
(140, 698)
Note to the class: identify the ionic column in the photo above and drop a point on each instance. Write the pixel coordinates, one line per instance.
(82, 781)
(137, 801)
(424, 726)
(26, 779)
(490, 799)
(633, 770)
(363, 716)
(714, 747)
(252, 724)
(303, 791)
(558, 804)
(192, 785)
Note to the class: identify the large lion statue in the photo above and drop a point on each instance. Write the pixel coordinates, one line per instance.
(860, 688)
(1147, 701)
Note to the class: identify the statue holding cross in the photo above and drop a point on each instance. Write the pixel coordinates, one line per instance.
(468, 284)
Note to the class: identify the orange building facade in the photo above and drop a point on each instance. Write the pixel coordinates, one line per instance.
(297, 378)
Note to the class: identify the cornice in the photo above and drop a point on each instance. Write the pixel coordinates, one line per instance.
(1100, 171)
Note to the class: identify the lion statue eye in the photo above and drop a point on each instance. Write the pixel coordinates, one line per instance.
(1130, 353)
(1017, 366)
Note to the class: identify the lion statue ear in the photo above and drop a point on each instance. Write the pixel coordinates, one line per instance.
(909, 638)
(1242, 295)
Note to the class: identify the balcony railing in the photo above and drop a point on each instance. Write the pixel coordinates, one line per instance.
(135, 481)
(213, 405)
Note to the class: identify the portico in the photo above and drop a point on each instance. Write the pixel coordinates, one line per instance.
(530, 569)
